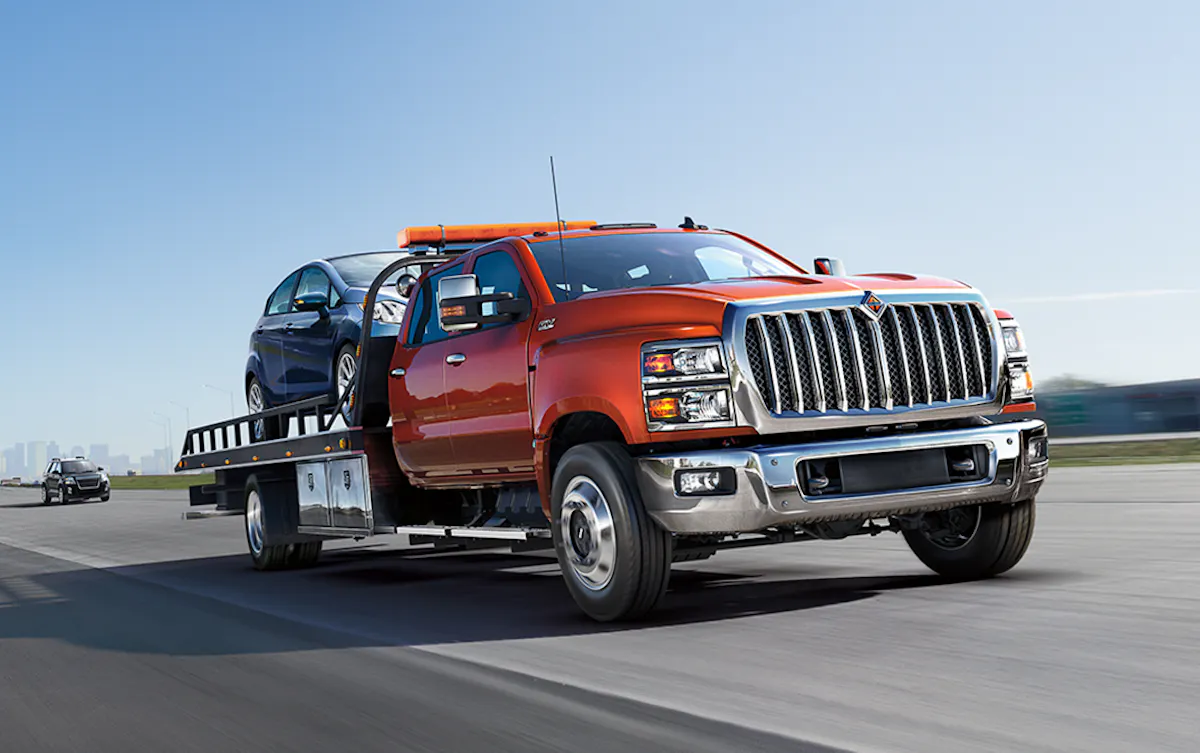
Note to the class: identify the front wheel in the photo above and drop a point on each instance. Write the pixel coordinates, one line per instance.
(970, 543)
(45, 495)
(615, 559)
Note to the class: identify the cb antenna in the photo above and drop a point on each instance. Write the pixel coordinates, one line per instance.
(562, 254)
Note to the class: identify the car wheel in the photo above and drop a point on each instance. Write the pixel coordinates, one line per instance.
(256, 402)
(104, 498)
(346, 372)
(45, 495)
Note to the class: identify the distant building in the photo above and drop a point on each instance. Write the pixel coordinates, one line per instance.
(98, 453)
(118, 465)
(52, 450)
(16, 461)
(77, 451)
(1130, 409)
(149, 465)
(37, 458)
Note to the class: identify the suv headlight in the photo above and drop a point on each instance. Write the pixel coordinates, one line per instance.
(388, 312)
(685, 385)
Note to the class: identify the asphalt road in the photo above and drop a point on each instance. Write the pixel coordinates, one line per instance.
(123, 628)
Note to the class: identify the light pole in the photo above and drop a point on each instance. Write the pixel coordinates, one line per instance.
(232, 412)
(170, 437)
(187, 413)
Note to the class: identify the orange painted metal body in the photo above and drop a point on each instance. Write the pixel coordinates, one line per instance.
(489, 420)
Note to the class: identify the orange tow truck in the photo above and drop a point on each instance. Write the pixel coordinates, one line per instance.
(632, 396)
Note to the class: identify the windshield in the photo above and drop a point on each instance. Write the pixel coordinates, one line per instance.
(639, 260)
(78, 466)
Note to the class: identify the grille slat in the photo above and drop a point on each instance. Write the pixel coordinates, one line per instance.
(815, 362)
(790, 346)
(842, 359)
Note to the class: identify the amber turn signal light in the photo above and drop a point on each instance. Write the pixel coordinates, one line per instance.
(664, 407)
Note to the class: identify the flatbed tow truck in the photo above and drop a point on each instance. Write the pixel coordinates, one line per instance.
(633, 396)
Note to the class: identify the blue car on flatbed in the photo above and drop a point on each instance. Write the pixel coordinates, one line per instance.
(304, 344)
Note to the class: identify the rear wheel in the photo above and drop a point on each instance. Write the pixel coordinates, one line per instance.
(346, 370)
(272, 556)
(256, 402)
(615, 559)
(969, 543)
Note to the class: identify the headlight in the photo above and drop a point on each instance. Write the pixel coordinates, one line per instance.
(702, 405)
(69, 482)
(1014, 339)
(388, 312)
(677, 362)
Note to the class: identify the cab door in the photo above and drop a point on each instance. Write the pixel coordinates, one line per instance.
(487, 383)
(417, 390)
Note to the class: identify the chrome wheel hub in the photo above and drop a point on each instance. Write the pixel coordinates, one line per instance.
(254, 401)
(254, 523)
(347, 370)
(588, 535)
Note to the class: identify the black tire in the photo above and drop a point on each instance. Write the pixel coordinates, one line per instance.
(270, 426)
(104, 498)
(263, 555)
(640, 550)
(997, 542)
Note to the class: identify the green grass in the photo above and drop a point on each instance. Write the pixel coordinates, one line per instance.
(160, 482)
(1125, 453)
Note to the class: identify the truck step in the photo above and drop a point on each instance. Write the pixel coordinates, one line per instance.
(461, 532)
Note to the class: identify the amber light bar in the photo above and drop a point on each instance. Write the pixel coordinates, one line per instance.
(438, 234)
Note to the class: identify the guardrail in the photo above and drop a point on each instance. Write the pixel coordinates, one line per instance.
(1114, 438)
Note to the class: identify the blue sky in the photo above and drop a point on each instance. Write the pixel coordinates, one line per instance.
(164, 165)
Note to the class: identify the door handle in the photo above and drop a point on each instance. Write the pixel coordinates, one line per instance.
(396, 373)
(288, 327)
(455, 358)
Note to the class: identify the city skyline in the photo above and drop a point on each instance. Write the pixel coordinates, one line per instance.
(28, 459)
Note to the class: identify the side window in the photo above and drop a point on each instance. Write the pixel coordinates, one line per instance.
(424, 329)
(498, 273)
(281, 299)
(313, 280)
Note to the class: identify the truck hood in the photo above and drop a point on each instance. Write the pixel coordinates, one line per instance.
(697, 310)
(729, 291)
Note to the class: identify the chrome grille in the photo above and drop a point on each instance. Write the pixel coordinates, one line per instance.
(841, 359)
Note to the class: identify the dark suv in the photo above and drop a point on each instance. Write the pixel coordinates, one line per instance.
(74, 479)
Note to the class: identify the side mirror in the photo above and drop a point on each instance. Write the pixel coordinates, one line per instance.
(318, 302)
(461, 307)
(831, 267)
(405, 285)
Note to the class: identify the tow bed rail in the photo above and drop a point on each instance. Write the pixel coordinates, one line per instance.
(229, 444)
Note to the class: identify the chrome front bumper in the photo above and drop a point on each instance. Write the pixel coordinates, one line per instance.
(768, 491)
